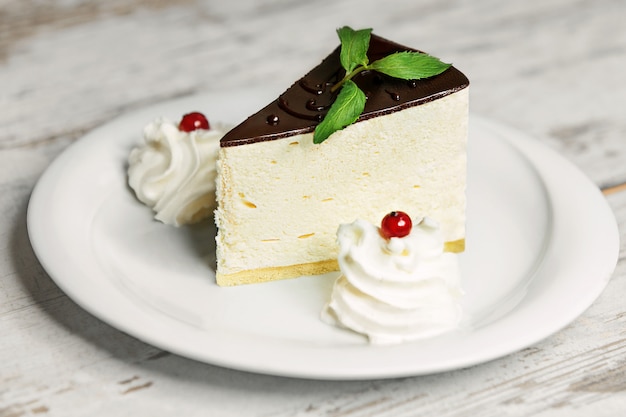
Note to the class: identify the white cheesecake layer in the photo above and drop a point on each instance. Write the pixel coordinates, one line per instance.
(280, 202)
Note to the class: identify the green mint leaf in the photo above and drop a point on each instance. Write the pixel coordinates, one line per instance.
(344, 111)
(409, 65)
(354, 46)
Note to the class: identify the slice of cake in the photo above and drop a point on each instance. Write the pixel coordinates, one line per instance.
(281, 196)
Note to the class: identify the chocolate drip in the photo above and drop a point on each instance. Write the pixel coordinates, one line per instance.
(302, 106)
(311, 110)
(311, 104)
(273, 119)
(284, 105)
(317, 90)
(394, 96)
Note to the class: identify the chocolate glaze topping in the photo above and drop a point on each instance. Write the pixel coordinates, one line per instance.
(299, 109)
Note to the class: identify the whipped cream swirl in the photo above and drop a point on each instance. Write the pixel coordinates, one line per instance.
(395, 290)
(174, 172)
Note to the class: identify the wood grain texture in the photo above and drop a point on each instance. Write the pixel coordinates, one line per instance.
(552, 69)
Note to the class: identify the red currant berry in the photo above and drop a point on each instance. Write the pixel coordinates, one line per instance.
(193, 121)
(396, 224)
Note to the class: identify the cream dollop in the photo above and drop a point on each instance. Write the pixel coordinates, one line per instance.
(174, 172)
(395, 290)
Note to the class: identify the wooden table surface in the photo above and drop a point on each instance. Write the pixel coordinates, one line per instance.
(553, 69)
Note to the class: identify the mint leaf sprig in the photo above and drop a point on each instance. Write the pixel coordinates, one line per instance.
(350, 101)
(344, 111)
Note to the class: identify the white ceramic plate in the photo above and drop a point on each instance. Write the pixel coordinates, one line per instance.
(542, 244)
